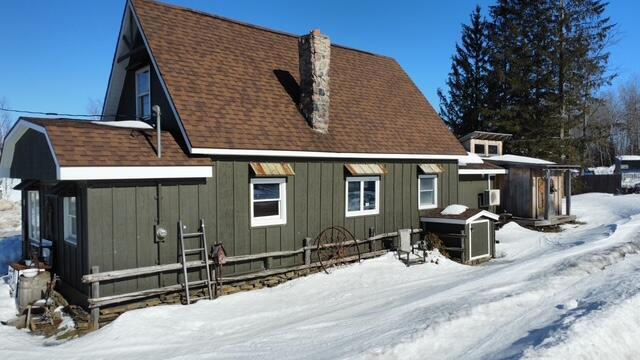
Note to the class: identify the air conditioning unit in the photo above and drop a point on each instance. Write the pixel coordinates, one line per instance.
(491, 197)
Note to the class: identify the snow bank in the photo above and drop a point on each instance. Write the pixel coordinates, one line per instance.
(454, 210)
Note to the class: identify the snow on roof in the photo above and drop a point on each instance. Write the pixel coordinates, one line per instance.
(520, 159)
(471, 158)
(602, 170)
(454, 209)
(628, 157)
(131, 124)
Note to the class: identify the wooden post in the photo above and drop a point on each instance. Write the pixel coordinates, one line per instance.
(94, 319)
(547, 194)
(307, 251)
(268, 263)
(567, 194)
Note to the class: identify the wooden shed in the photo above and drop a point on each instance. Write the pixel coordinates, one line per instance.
(468, 236)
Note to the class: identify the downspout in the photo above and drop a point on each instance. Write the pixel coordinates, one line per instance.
(156, 110)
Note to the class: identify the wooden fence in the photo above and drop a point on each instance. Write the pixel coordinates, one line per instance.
(608, 183)
(96, 301)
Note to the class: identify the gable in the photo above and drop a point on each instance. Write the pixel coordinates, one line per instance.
(33, 158)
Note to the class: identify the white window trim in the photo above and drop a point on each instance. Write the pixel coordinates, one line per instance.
(279, 219)
(139, 95)
(435, 192)
(361, 179)
(33, 233)
(71, 240)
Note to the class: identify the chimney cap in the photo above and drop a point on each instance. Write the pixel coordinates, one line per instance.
(316, 32)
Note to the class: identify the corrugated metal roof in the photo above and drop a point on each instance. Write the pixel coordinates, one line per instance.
(431, 168)
(272, 169)
(366, 169)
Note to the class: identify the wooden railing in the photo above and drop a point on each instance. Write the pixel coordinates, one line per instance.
(96, 277)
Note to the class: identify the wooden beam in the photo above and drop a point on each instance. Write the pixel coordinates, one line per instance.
(126, 273)
(94, 319)
(567, 192)
(130, 53)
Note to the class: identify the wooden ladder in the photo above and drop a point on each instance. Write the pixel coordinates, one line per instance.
(203, 252)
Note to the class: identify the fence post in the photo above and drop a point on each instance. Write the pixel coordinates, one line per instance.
(307, 251)
(268, 263)
(94, 319)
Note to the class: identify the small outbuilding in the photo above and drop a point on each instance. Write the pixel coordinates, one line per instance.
(628, 167)
(468, 235)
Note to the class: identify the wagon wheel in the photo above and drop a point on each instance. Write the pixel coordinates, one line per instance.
(336, 246)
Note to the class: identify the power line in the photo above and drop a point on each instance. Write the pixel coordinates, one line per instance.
(63, 114)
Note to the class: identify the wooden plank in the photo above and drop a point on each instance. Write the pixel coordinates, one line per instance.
(301, 198)
(124, 235)
(168, 249)
(338, 194)
(326, 197)
(273, 242)
(94, 318)
(397, 197)
(127, 273)
(407, 202)
(287, 234)
(313, 194)
(389, 217)
(188, 199)
(225, 213)
(258, 245)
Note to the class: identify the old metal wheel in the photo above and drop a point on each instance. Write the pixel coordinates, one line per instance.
(336, 246)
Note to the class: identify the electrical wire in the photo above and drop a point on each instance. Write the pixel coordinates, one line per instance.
(64, 114)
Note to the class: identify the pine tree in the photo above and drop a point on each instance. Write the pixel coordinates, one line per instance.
(464, 106)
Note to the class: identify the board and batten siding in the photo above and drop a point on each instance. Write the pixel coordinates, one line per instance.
(121, 216)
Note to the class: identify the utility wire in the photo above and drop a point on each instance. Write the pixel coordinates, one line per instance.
(63, 114)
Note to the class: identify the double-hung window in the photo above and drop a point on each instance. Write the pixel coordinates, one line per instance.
(70, 220)
(33, 206)
(427, 192)
(268, 201)
(143, 93)
(362, 196)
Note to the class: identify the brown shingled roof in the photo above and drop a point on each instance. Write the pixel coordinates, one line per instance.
(83, 143)
(235, 87)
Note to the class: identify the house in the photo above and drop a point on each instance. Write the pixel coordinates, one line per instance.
(532, 190)
(267, 137)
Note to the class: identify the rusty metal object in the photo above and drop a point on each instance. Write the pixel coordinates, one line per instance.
(336, 246)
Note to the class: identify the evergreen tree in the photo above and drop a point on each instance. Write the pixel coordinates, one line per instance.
(463, 107)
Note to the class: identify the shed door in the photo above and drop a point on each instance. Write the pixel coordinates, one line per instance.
(479, 239)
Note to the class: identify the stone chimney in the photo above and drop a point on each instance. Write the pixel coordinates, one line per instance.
(314, 52)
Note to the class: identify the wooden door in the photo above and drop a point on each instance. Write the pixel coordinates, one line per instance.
(540, 196)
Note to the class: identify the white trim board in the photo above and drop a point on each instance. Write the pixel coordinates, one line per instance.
(320, 154)
(482, 171)
(16, 132)
(134, 172)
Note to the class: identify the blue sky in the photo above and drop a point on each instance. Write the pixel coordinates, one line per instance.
(56, 55)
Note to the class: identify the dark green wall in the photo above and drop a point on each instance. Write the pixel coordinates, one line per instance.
(470, 187)
(32, 158)
(121, 216)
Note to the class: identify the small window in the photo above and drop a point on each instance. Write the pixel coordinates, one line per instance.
(479, 149)
(362, 196)
(143, 93)
(427, 192)
(34, 215)
(493, 149)
(268, 201)
(70, 221)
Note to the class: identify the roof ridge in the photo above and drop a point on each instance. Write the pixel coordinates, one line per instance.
(254, 26)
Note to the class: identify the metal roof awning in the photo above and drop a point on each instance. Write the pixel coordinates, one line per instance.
(366, 169)
(431, 168)
(26, 185)
(272, 169)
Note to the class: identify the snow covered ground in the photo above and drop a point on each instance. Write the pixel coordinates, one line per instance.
(573, 294)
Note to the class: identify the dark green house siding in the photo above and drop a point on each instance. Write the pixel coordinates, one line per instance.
(121, 216)
(32, 158)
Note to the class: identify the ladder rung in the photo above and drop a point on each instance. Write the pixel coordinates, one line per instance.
(193, 251)
(195, 234)
(197, 283)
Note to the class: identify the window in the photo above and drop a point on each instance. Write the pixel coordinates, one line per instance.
(143, 93)
(362, 196)
(478, 149)
(70, 221)
(493, 149)
(268, 201)
(427, 192)
(34, 215)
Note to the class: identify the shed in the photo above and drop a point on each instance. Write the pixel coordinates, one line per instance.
(467, 234)
(628, 166)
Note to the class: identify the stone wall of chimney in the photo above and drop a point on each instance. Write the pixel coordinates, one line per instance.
(314, 55)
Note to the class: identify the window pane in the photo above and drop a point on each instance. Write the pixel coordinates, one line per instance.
(266, 191)
(478, 149)
(426, 183)
(369, 195)
(493, 149)
(72, 206)
(143, 82)
(266, 208)
(426, 197)
(145, 106)
(353, 195)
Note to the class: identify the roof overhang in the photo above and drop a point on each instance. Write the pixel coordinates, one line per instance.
(321, 154)
(482, 171)
(484, 135)
(481, 214)
(94, 172)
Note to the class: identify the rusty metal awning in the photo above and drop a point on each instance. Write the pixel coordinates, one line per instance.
(431, 168)
(272, 169)
(366, 169)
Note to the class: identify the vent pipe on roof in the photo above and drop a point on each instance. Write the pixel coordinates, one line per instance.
(314, 52)
(156, 110)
